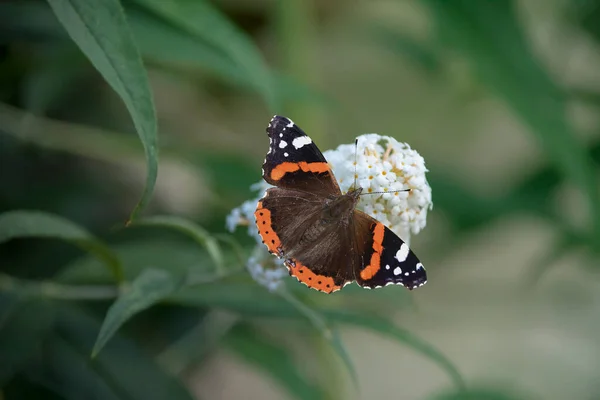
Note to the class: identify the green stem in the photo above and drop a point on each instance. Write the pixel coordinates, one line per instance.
(57, 291)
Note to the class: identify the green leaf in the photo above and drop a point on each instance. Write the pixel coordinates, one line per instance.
(194, 231)
(478, 394)
(385, 327)
(176, 256)
(252, 300)
(101, 32)
(163, 42)
(197, 342)
(489, 36)
(166, 44)
(152, 286)
(27, 19)
(205, 22)
(246, 298)
(21, 335)
(128, 373)
(403, 44)
(159, 41)
(586, 13)
(37, 224)
(330, 335)
(55, 73)
(75, 377)
(272, 359)
(544, 263)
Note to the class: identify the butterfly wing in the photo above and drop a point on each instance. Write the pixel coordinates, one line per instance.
(295, 162)
(318, 255)
(385, 259)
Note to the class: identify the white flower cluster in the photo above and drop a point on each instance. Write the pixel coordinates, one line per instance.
(244, 214)
(265, 269)
(377, 164)
(385, 165)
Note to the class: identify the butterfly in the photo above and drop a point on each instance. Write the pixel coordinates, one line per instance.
(306, 220)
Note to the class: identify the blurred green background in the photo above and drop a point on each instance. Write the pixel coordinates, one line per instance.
(500, 97)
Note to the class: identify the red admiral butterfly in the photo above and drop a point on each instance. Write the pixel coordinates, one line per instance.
(306, 220)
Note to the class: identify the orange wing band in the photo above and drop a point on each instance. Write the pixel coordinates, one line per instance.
(305, 275)
(265, 229)
(370, 270)
(279, 171)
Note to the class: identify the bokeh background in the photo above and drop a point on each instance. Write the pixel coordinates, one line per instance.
(500, 97)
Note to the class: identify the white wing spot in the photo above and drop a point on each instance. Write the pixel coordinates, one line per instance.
(282, 144)
(406, 273)
(387, 267)
(397, 271)
(301, 141)
(285, 154)
(419, 266)
(291, 124)
(281, 135)
(402, 253)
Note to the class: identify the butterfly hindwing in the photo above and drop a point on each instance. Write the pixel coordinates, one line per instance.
(282, 215)
(295, 162)
(316, 254)
(386, 259)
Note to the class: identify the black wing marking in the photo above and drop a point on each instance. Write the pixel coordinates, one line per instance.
(295, 162)
(385, 258)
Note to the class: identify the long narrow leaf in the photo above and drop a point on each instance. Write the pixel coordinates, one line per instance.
(122, 366)
(383, 326)
(273, 360)
(101, 31)
(329, 334)
(489, 36)
(193, 230)
(252, 300)
(21, 335)
(149, 288)
(37, 224)
(205, 22)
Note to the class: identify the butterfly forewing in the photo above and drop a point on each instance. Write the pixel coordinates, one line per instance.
(295, 162)
(385, 258)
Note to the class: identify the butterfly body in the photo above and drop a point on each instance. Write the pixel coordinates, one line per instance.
(324, 240)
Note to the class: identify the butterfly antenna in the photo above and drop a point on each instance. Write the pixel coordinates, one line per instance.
(355, 160)
(389, 191)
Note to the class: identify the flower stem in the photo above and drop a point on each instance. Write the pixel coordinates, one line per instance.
(58, 291)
